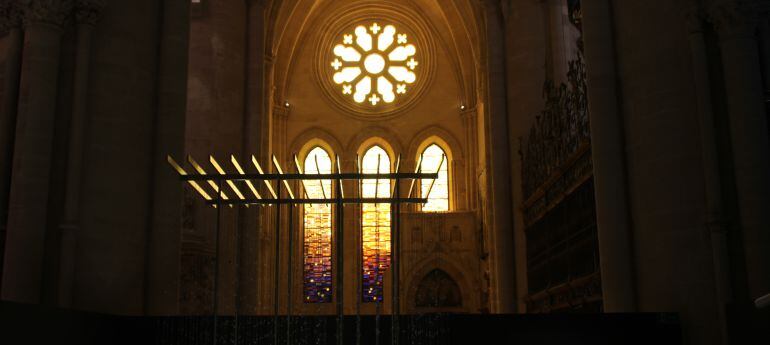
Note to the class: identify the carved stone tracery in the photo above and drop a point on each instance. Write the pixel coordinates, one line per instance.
(53, 12)
(11, 15)
(88, 11)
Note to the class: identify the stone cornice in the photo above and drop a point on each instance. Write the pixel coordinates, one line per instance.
(53, 12)
(10, 15)
(737, 17)
(88, 11)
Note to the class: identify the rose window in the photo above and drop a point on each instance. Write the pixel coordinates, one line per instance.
(374, 64)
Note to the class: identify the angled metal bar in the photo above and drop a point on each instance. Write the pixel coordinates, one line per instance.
(360, 181)
(299, 170)
(230, 183)
(398, 166)
(417, 170)
(248, 182)
(205, 177)
(440, 163)
(321, 182)
(261, 173)
(321, 201)
(295, 176)
(215, 297)
(276, 267)
(377, 181)
(182, 172)
(339, 181)
(280, 172)
(339, 239)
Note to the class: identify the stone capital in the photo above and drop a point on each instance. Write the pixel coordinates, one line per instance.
(87, 12)
(735, 18)
(694, 18)
(281, 111)
(10, 15)
(52, 12)
(469, 113)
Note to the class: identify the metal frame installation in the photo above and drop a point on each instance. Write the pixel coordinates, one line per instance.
(210, 187)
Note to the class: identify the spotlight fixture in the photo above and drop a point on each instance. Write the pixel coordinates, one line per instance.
(462, 107)
(286, 104)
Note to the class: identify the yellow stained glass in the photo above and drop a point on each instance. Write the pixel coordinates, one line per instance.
(438, 199)
(318, 230)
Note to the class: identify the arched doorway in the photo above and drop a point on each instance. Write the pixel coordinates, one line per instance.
(438, 290)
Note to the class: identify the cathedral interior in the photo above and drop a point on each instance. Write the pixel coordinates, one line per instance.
(385, 172)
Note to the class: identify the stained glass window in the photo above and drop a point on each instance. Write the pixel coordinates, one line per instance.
(376, 65)
(438, 199)
(375, 224)
(318, 230)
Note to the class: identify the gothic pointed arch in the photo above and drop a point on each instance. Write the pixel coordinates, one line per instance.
(447, 266)
(438, 290)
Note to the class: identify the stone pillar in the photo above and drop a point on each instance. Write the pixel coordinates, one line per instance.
(10, 17)
(498, 144)
(162, 265)
(736, 24)
(764, 46)
(28, 210)
(86, 14)
(252, 135)
(714, 220)
(608, 147)
(526, 45)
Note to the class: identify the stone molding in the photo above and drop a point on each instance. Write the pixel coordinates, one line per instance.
(52, 12)
(87, 12)
(737, 17)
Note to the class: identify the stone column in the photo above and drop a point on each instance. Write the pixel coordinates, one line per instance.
(28, 211)
(526, 45)
(86, 14)
(764, 35)
(503, 271)
(162, 264)
(736, 24)
(608, 150)
(253, 123)
(10, 17)
(714, 221)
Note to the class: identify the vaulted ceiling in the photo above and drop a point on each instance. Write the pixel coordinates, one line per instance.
(454, 27)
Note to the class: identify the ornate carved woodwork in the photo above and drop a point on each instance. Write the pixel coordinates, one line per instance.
(559, 208)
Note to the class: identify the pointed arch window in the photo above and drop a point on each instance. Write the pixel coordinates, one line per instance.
(317, 221)
(375, 224)
(438, 199)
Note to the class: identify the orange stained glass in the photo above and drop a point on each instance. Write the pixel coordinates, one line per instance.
(318, 231)
(375, 224)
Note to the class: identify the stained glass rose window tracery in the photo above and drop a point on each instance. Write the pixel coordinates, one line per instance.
(374, 64)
